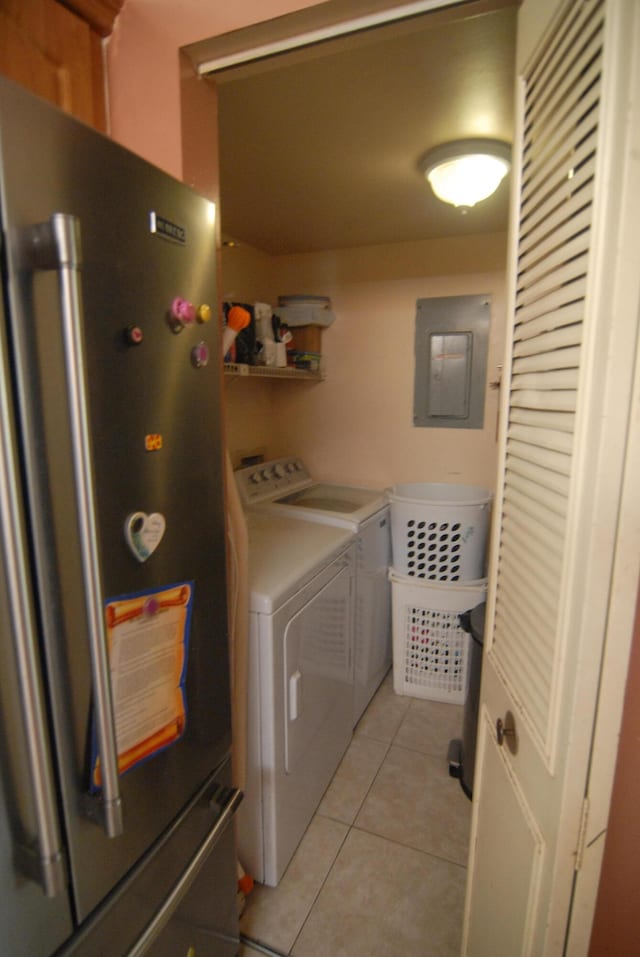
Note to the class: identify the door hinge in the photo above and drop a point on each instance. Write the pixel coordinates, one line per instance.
(582, 834)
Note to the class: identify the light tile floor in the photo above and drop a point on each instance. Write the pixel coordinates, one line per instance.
(381, 870)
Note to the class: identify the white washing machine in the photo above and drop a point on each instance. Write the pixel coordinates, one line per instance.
(300, 688)
(284, 487)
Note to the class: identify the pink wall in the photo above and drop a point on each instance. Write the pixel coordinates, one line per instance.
(616, 925)
(143, 66)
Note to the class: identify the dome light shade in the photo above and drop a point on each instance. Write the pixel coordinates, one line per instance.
(465, 172)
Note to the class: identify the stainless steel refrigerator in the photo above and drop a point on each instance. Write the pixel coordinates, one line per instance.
(116, 806)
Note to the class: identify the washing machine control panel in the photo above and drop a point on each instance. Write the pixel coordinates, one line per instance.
(267, 480)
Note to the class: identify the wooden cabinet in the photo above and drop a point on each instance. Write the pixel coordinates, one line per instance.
(56, 51)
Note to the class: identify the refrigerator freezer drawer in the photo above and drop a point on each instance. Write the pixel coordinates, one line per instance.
(181, 894)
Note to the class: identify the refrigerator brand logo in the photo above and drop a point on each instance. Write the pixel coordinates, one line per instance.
(167, 229)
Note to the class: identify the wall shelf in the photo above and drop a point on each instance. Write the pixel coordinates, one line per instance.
(272, 372)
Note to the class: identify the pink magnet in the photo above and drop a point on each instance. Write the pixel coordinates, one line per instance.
(183, 312)
(200, 355)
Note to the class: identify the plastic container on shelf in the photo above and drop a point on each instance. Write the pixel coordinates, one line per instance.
(305, 311)
(430, 647)
(439, 530)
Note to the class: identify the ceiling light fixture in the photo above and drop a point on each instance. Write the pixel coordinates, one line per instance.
(465, 172)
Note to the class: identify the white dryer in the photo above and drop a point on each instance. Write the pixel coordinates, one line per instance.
(284, 487)
(300, 689)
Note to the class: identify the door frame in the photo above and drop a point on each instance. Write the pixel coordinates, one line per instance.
(198, 100)
(623, 611)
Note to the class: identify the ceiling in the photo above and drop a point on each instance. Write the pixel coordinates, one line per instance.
(319, 147)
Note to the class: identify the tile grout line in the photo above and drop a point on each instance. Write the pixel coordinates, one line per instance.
(348, 831)
(402, 747)
(319, 891)
(386, 743)
(410, 847)
(260, 947)
(350, 827)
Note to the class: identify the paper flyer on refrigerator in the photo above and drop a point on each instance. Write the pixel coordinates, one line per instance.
(147, 643)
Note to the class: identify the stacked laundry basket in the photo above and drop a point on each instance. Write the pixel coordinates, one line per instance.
(439, 542)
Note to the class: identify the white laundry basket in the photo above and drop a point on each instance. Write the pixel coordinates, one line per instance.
(430, 648)
(439, 531)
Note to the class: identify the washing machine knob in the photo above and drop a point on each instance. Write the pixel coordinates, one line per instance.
(255, 477)
(280, 470)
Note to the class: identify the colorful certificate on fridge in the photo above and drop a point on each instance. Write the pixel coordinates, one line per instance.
(147, 643)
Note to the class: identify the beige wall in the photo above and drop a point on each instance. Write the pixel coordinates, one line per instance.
(356, 425)
(247, 275)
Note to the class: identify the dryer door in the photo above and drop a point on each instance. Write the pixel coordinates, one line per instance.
(318, 672)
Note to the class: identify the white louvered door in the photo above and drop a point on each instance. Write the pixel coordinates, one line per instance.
(563, 453)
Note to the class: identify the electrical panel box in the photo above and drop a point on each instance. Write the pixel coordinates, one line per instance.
(451, 342)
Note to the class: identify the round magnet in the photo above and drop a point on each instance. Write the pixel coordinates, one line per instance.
(200, 355)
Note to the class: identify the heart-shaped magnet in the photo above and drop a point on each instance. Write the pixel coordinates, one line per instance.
(143, 533)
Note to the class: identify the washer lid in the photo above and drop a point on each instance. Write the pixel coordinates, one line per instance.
(339, 501)
(284, 554)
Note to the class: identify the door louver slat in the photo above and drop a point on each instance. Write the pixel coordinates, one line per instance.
(542, 554)
(548, 170)
(544, 438)
(534, 654)
(544, 543)
(526, 559)
(519, 655)
(571, 185)
(568, 251)
(571, 292)
(537, 517)
(542, 254)
(563, 274)
(559, 166)
(545, 171)
(546, 480)
(551, 67)
(564, 340)
(572, 79)
(566, 315)
(565, 219)
(543, 421)
(547, 381)
(539, 614)
(541, 503)
(549, 402)
(562, 358)
(552, 462)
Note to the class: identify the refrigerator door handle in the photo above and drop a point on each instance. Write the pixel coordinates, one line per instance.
(227, 799)
(56, 245)
(44, 864)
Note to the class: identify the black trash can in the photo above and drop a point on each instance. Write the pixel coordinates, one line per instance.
(462, 754)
